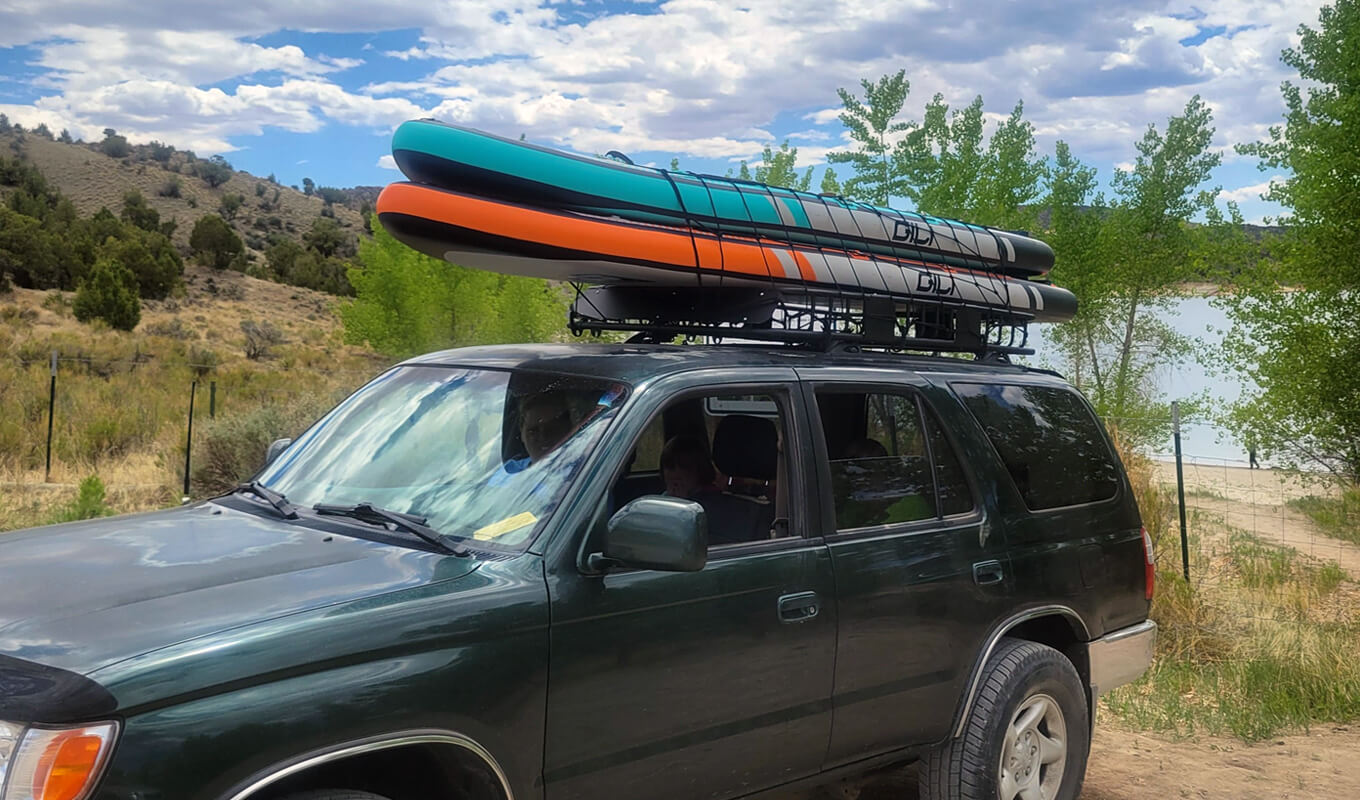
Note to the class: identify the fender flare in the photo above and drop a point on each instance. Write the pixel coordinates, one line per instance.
(975, 680)
(265, 778)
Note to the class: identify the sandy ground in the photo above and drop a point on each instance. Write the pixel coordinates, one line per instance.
(1322, 765)
(1254, 500)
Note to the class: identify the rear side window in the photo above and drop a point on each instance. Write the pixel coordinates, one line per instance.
(887, 454)
(1049, 441)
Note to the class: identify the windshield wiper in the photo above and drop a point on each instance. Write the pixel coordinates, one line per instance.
(374, 515)
(280, 503)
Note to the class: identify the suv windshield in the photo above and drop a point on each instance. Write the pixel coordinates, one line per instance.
(479, 454)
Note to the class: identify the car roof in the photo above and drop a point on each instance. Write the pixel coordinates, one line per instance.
(633, 363)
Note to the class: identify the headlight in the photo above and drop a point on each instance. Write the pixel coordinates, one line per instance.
(53, 763)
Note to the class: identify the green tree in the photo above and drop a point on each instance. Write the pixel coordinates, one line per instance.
(328, 239)
(214, 172)
(1301, 347)
(151, 259)
(407, 302)
(214, 243)
(308, 187)
(65, 137)
(870, 123)
(137, 213)
(952, 170)
(231, 204)
(777, 168)
(830, 185)
(1076, 215)
(109, 293)
(114, 145)
(160, 151)
(1128, 259)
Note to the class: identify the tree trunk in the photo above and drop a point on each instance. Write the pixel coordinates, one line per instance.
(1121, 387)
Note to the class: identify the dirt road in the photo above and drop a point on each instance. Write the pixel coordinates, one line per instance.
(1254, 500)
(1322, 765)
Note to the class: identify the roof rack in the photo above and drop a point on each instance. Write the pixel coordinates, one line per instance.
(819, 320)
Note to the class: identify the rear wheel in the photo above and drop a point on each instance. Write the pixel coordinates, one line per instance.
(1026, 737)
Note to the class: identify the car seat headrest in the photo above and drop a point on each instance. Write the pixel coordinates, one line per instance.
(746, 447)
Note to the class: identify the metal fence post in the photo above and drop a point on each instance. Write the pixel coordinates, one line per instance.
(51, 413)
(189, 438)
(1180, 488)
(212, 400)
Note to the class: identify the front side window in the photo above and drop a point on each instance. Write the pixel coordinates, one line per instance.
(1049, 441)
(480, 454)
(725, 453)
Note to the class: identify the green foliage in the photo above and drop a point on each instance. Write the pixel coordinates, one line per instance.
(259, 190)
(89, 503)
(293, 264)
(407, 302)
(65, 137)
(160, 151)
(871, 126)
(137, 213)
(1126, 259)
(1300, 347)
(777, 168)
(214, 172)
(261, 338)
(231, 203)
(308, 187)
(330, 195)
(151, 258)
(829, 183)
(231, 448)
(109, 293)
(114, 145)
(214, 243)
(327, 238)
(1338, 516)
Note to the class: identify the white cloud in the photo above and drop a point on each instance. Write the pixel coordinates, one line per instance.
(1246, 194)
(703, 78)
(387, 162)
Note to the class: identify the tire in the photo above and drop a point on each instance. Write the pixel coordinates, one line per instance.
(335, 794)
(1030, 702)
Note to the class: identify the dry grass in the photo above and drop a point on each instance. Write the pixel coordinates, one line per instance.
(1266, 639)
(122, 398)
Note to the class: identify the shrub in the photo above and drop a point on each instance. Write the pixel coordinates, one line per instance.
(114, 145)
(214, 172)
(214, 243)
(172, 328)
(231, 203)
(88, 504)
(109, 293)
(259, 190)
(171, 188)
(137, 213)
(260, 337)
(232, 448)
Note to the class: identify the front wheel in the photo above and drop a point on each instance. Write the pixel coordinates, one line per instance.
(1026, 737)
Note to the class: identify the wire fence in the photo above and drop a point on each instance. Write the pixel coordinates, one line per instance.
(1257, 541)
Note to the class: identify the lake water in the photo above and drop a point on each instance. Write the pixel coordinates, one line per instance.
(1196, 317)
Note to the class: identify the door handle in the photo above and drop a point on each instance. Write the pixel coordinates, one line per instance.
(799, 607)
(986, 573)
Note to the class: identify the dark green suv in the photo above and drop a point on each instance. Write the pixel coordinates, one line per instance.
(599, 571)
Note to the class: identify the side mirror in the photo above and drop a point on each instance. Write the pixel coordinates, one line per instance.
(656, 532)
(275, 448)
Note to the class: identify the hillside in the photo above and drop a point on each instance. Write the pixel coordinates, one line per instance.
(91, 179)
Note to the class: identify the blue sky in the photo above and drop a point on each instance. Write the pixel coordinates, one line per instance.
(314, 87)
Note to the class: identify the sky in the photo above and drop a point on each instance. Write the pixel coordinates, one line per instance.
(314, 88)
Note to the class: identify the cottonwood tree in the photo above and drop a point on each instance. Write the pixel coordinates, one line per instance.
(877, 176)
(1301, 347)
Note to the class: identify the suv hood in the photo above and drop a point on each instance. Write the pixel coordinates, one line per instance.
(85, 595)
